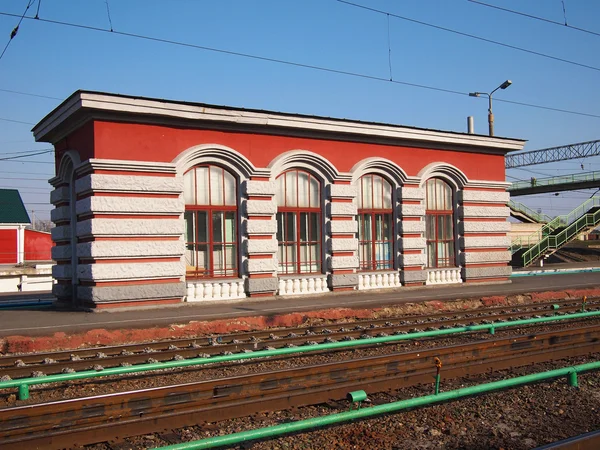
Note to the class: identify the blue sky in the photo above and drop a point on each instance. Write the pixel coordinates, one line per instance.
(54, 60)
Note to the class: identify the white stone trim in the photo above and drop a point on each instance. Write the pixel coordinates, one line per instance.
(261, 207)
(486, 241)
(62, 272)
(261, 188)
(412, 210)
(261, 246)
(210, 153)
(20, 244)
(60, 252)
(412, 193)
(130, 227)
(261, 265)
(486, 227)
(344, 226)
(343, 190)
(484, 211)
(418, 259)
(304, 159)
(484, 196)
(103, 102)
(302, 284)
(259, 226)
(130, 249)
(60, 214)
(343, 209)
(378, 280)
(412, 243)
(61, 233)
(123, 165)
(344, 262)
(343, 245)
(129, 183)
(449, 275)
(215, 289)
(411, 226)
(59, 195)
(130, 205)
(380, 166)
(130, 271)
(485, 184)
(486, 257)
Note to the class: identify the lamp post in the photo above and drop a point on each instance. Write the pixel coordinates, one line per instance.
(504, 85)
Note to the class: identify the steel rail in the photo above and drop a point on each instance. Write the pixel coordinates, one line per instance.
(56, 362)
(81, 421)
(23, 384)
(333, 419)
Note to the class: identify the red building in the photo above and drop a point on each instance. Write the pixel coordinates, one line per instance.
(17, 244)
(160, 201)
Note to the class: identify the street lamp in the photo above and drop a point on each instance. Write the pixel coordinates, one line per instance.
(504, 85)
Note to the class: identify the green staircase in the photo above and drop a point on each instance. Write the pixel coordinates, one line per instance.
(526, 214)
(556, 233)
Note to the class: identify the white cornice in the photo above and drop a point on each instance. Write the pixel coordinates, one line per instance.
(94, 102)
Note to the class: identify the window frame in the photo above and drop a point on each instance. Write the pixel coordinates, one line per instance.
(211, 211)
(373, 264)
(284, 212)
(436, 217)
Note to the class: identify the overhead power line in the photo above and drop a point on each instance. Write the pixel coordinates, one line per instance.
(26, 156)
(30, 94)
(16, 121)
(296, 64)
(542, 19)
(553, 154)
(25, 151)
(16, 29)
(472, 36)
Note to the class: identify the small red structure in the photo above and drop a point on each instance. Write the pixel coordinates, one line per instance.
(38, 245)
(18, 245)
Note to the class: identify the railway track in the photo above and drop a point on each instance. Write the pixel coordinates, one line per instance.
(14, 367)
(116, 416)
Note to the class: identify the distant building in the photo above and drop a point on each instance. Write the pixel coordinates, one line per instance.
(160, 201)
(17, 244)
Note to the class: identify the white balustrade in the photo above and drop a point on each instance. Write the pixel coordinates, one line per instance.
(198, 291)
(378, 280)
(449, 275)
(303, 285)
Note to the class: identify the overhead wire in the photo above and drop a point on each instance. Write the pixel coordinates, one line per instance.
(296, 64)
(531, 16)
(16, 121)
(28, 162)
(30, 94)
(26, 156)
(15, 30)
(472, 36)
(26, 151)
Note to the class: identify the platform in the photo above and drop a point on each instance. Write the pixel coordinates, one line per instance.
(44, 329)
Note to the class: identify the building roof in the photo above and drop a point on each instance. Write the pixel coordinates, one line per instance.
(12, 209)
(83, 106)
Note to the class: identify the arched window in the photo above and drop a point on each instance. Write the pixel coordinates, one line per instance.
(439, 218)
(375, 223)
(298, 222)
(210, 194)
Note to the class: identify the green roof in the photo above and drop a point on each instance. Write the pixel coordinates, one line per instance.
(12, 209)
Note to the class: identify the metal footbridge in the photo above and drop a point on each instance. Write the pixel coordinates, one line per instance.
(556, 233)
(562, 183)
